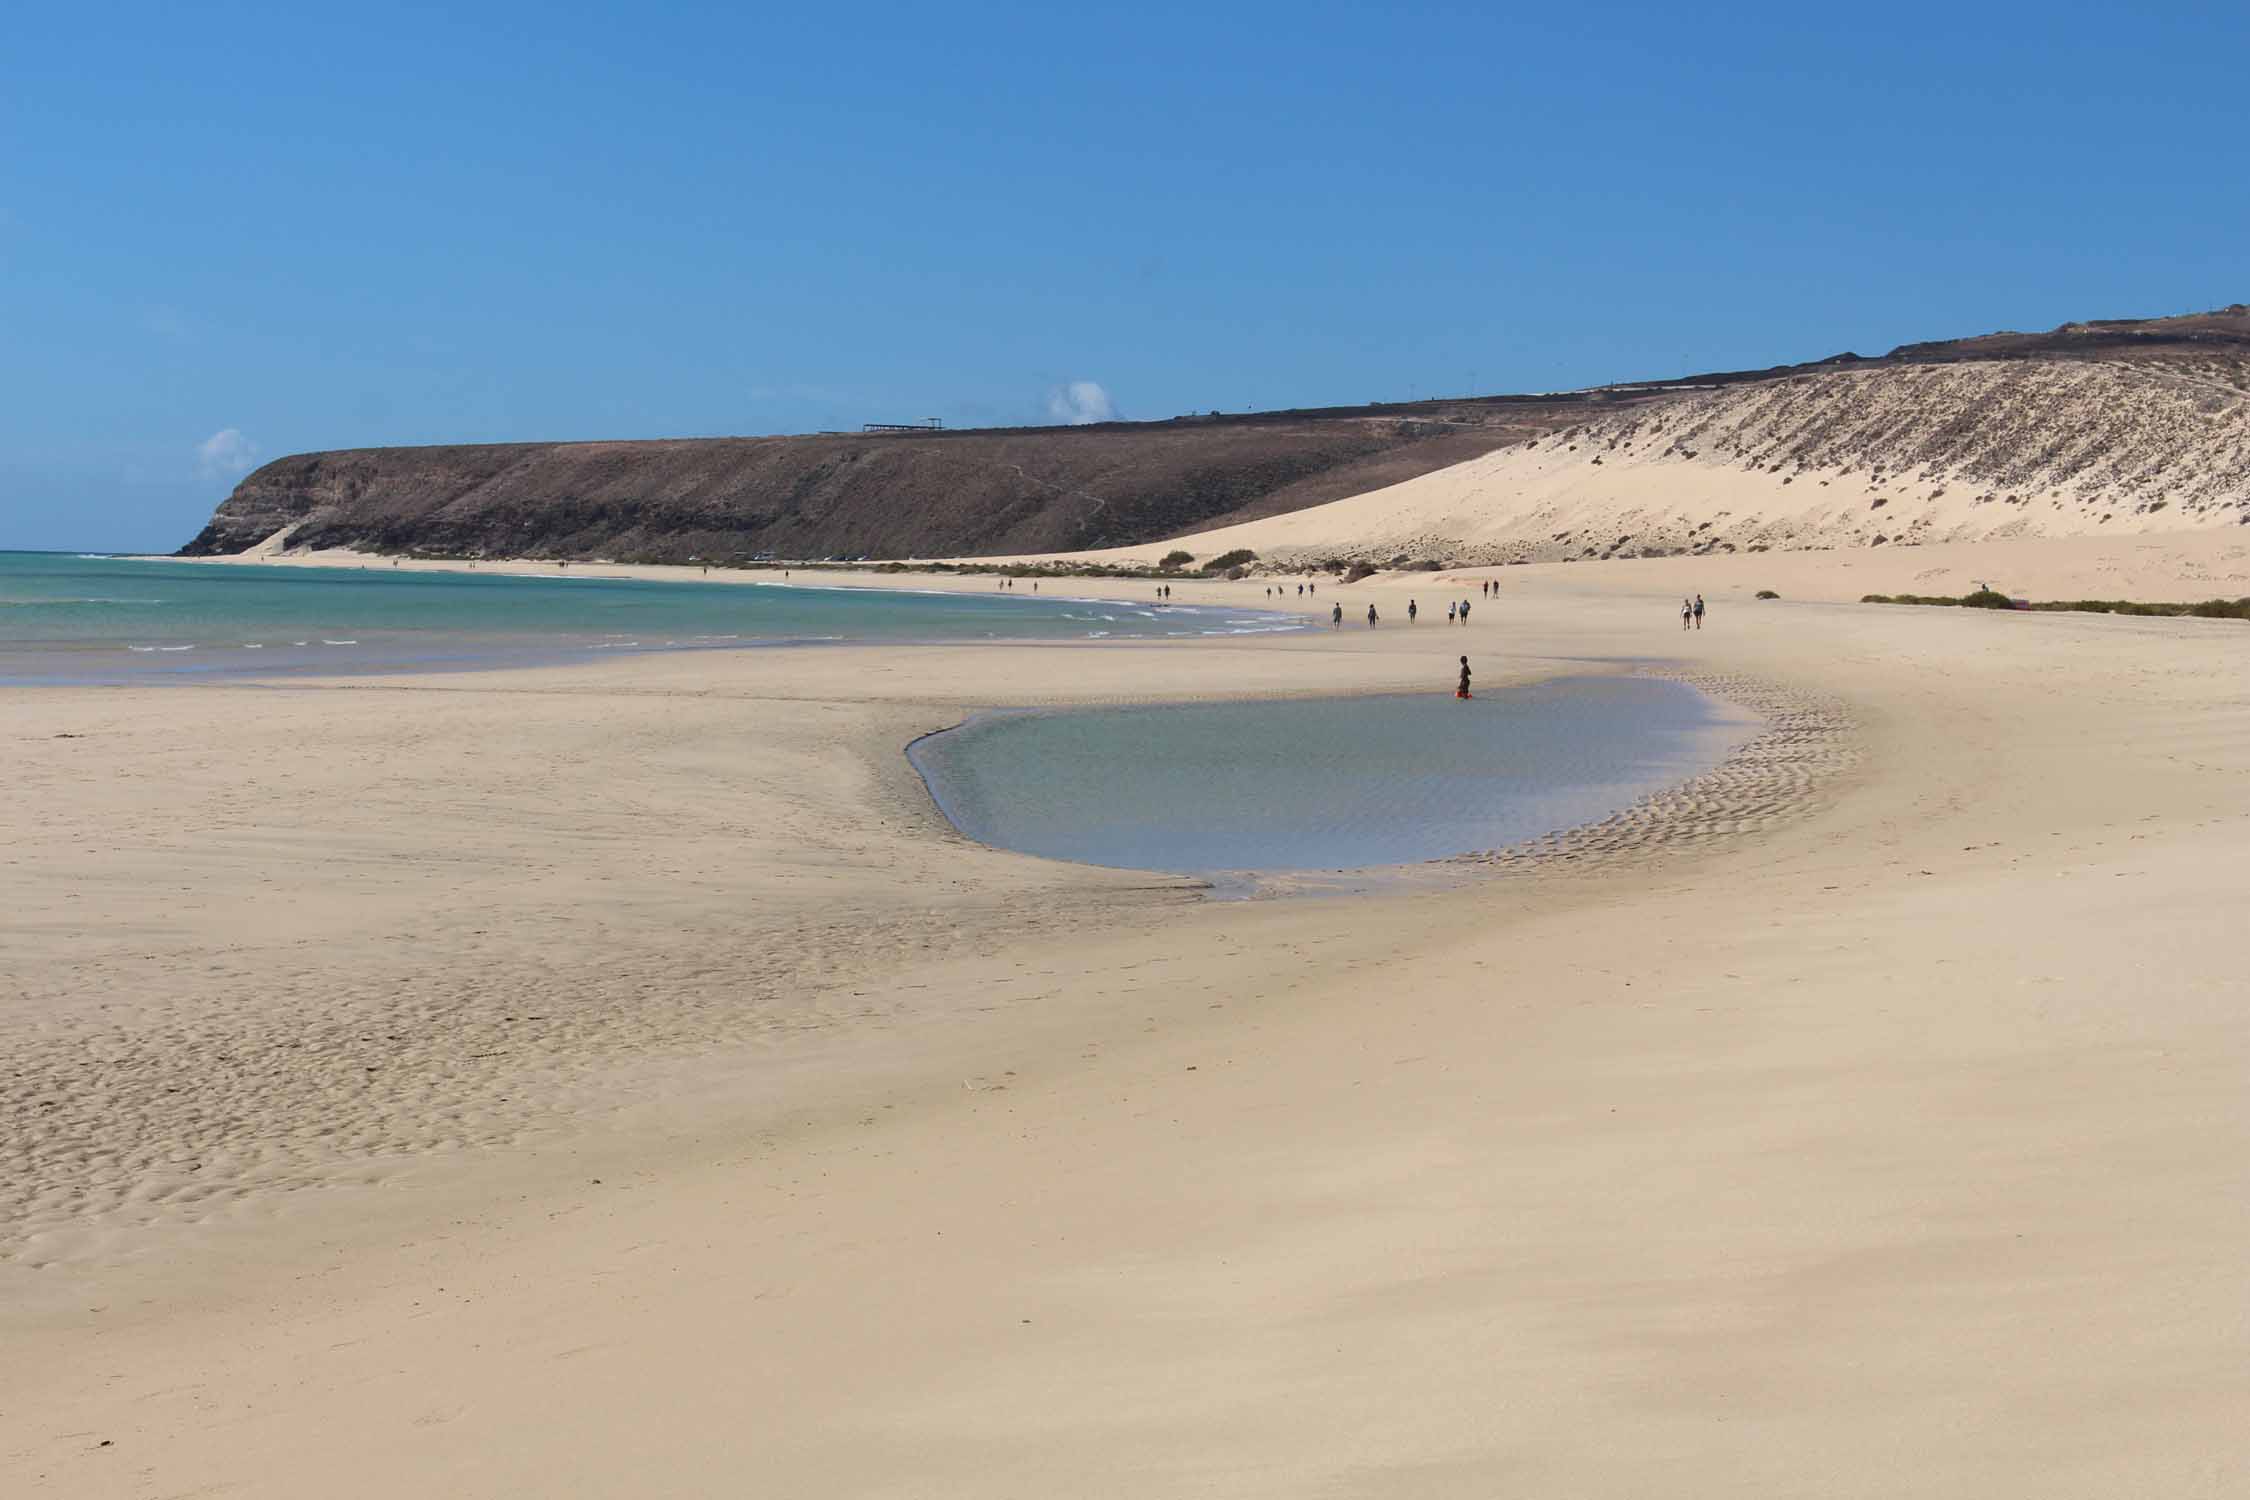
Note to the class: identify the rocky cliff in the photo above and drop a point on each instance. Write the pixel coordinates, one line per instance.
(2131, 423)
(909, 495)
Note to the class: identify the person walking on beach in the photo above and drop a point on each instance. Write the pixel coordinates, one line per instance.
(1449, 609)
(1463, 690)
(1336, 620)
(1464, 611)
(1687, 613)
(1412, 609)
(1370, 617)
(1699, 611)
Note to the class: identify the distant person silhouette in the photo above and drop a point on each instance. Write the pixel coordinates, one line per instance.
(1370, 617)
(1463, 690)
(1464, 611)
(1699, 611)
(1687, 613)
(1412, 609)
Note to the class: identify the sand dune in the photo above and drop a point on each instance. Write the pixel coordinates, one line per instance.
(1893, 456)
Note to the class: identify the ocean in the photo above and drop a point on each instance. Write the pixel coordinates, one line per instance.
(75, 618)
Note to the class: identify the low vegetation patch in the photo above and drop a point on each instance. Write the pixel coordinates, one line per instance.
(1358, 571)
(2208, 609)
(1176, 559)
(1981, 599)
(1770, 594)
(1226, 560)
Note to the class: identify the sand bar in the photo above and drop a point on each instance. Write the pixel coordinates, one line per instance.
(617, 1080)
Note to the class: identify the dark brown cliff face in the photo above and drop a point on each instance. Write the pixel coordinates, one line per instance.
(995, 492)
(935, 495)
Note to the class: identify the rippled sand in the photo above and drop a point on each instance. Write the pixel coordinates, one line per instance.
(618, 1079)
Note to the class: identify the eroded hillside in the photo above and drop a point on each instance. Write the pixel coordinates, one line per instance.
(2125, 425)
(1865, 455)
(733, 499)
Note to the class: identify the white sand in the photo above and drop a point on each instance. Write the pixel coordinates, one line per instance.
(1968, 453)
(615, 1080)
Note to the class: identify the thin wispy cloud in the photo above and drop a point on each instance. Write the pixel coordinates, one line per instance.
(1081, 402)
(226, 454)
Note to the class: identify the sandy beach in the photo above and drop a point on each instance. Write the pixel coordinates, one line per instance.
(618, 1080)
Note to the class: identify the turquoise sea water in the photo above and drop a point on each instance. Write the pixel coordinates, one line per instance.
(1321, 784)
(81, 619)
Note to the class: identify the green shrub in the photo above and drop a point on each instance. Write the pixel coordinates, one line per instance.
(1770, 594)
(1226, 560)
(2209, 609)
(1358, 571)
(1176, 559)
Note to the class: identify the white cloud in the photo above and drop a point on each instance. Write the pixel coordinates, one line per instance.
(226, 454)
(1080, 402)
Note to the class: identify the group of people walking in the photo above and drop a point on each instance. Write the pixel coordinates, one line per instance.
(1691, 613)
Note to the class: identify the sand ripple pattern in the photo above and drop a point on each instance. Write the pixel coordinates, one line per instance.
(1777, 776)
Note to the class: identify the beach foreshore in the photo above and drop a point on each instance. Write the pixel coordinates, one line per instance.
(618, 1079)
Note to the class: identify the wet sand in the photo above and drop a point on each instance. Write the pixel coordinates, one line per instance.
(618, 1079)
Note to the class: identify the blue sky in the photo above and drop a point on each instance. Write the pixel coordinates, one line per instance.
(441, 223)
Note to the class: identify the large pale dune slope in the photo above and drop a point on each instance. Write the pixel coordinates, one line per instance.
(1912, 454)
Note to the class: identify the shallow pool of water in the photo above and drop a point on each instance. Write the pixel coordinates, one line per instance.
(1325, 783)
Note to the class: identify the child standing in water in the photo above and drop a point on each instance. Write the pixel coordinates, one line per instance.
(1463, 690)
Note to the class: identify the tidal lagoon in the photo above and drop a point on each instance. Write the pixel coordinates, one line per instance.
(1321, 783)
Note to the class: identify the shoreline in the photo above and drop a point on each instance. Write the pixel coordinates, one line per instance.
(863, 1157)
(2184, 567)
(1666, 815)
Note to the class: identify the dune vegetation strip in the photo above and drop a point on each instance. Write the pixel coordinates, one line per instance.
(2208, 609)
